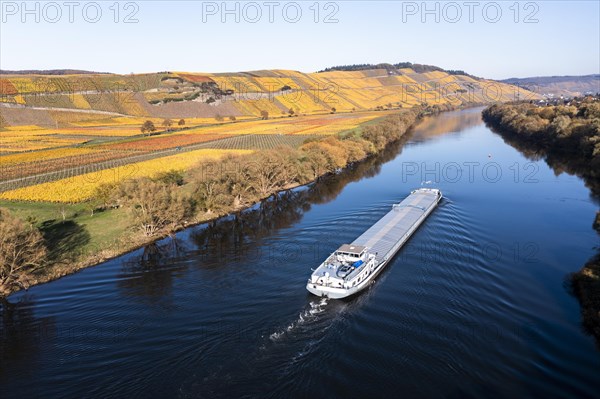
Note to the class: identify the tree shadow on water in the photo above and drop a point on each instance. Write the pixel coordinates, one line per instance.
(149, 276)
(64, 239)
(22, 336)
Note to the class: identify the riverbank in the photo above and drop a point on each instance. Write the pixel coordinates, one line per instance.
(77, 238)
(568, 137)
(586, 287)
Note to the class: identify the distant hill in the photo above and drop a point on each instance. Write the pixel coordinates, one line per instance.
(569, 86)
(418, 68)
(50, 72)
(72, 99)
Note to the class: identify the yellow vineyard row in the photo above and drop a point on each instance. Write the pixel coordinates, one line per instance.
(81, 188)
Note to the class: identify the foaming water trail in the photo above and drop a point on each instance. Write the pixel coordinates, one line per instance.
(310, 314)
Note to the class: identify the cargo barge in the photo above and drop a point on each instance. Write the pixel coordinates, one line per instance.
(353, 266)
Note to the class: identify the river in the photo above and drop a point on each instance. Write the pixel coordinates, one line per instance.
(476, 304)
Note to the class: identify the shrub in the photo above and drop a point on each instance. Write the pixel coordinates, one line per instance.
(172, 177)
(148, 127)
(154, 206)
(193, 96)
(22, 251)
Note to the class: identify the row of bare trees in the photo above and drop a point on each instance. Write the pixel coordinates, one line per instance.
(569, 129)
(149, 127)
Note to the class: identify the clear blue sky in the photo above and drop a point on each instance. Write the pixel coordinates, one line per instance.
(192, 36)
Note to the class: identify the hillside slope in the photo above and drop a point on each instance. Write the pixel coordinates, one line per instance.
(45, 100)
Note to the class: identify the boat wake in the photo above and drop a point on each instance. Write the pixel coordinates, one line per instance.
(309, 314)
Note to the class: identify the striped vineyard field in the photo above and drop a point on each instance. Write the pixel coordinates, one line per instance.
(261, 141)
(163, 142)
(42, 166)
(246, 142)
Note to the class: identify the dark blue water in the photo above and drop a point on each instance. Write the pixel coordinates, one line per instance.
(476, 304)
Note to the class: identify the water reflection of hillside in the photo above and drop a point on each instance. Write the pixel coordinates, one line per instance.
(558, 162)
(440, 124)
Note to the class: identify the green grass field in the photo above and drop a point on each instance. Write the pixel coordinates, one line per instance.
(78, 234)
